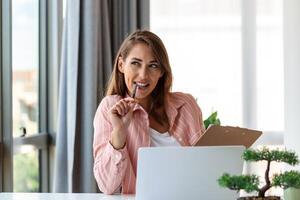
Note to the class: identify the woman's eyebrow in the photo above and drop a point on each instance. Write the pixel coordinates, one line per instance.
(137, 59)
(140, 60)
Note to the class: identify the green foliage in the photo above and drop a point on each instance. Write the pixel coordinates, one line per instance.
(271, 155)
(287, 179)
(212, 119)
(249, 183)
(26, 173)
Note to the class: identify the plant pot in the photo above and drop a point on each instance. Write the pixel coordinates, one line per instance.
(292, 194)
(260, 198)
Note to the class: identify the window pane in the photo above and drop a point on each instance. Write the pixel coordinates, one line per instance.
(26, 173)
(203, 38)
(270, 65)
(25, 41)
(25, 69)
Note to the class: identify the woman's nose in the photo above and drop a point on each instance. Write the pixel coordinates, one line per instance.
(143, 72)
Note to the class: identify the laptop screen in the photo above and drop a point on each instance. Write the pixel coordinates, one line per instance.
(186, 172)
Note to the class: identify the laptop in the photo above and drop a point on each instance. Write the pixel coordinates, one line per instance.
(180, 173)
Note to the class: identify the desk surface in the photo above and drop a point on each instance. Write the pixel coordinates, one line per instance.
(63, 196)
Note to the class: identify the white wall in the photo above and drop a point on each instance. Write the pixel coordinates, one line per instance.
(291, 34)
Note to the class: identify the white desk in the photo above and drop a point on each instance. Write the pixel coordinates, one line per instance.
(63, 196)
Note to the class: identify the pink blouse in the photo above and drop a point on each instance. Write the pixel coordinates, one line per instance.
(114, 168)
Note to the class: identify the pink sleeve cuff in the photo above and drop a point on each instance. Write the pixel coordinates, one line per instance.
(117, 156)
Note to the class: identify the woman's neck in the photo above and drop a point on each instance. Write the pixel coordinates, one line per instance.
(145, 103)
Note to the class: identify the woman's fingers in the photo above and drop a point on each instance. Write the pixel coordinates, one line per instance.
(119, 110)
(121, 113)
(123, 106)
(128, 103)
(129, 100)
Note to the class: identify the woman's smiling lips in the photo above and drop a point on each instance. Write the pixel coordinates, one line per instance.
(141, 85)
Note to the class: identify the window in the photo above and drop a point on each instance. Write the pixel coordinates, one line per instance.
(29, 69)
(215, 43)
(270, 82)
(25, 92)
(204, 41)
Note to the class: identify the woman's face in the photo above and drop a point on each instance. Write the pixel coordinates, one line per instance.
(141, 68)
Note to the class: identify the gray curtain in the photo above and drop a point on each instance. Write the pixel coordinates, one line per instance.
(93, 31)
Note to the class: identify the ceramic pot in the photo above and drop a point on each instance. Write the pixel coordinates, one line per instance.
(292, 194)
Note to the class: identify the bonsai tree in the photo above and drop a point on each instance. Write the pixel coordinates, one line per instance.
(212, 119)
(250, 183)
(287, 179)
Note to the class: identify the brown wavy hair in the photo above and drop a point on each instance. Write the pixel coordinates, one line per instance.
(116, 84)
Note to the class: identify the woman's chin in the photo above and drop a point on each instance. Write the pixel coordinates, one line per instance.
(141, 97)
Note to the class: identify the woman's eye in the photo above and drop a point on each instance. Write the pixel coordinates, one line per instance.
(134, 63)
(154, 66)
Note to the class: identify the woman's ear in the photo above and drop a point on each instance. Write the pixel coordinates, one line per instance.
(120, 65)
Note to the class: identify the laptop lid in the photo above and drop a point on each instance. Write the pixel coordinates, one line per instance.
(179, 173)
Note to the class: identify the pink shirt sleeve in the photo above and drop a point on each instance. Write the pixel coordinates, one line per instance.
(109, 164)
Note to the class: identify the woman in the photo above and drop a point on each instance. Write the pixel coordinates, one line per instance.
(140, 110)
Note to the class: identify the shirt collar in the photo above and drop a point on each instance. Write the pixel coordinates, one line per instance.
(172, 106)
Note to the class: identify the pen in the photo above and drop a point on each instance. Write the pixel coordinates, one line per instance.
(134, 90)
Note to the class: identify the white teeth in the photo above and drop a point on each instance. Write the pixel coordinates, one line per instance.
(142, 84)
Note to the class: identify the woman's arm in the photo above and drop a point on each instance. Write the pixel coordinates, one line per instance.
(110, 153)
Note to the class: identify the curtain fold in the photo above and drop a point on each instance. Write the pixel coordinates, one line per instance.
(93, 31)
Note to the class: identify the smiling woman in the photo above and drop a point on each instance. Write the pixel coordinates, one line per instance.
(141, 68)
(155, 117)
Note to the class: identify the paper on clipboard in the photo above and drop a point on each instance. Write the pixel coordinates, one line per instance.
(217, 135)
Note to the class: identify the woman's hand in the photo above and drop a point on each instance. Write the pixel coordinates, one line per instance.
(120, 116)
(121, 113)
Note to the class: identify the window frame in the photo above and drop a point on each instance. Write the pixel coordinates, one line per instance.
(43, 97)
(1, 161)
(6, 165)
(50, 20)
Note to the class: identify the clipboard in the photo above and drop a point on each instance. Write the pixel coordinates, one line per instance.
(217, 135)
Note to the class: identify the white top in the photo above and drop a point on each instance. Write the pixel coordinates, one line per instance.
(162, 139)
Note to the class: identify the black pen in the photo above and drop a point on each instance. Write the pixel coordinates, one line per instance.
(134, 90)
